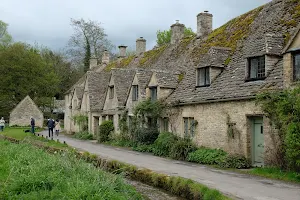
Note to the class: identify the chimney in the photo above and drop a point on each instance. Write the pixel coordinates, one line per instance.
(105, 57)
(140, 46)
(204, 24)
(122, 51)
(93, 62)
(177, 32)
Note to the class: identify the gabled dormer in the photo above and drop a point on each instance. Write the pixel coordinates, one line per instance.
(261, 55)
(211, 65)
(161, 85)
(291, 60)
(138, 88)
(111, 100)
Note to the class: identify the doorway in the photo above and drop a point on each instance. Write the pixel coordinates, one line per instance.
(257, 141)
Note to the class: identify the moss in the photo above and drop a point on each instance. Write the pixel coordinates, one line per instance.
(183, 45)
(290, 23)
(227, 61)
(152, 55)
(120, 64)
(180, 77)
(287, 37)
(229, 34)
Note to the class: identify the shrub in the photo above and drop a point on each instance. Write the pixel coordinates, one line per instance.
(146, 135)
(235, 161)
(163, 144)
(181, 149)
(104, 131)
(143, 148)
(84, 136)
(207, 156)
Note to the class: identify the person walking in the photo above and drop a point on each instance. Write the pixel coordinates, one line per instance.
(50, 125)
(2, 124)
(32, 124)
(57, 127)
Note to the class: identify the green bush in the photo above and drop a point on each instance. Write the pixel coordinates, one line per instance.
(83, 136)
(235, 161)
(104, 131)
(292, 141)
(146, 135)
(207, 156)
(182, 148)
(163, 144)
(143, 148)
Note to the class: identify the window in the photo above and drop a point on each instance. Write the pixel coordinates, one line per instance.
(203, 77)
(103, 118)
(256, 68)
(111, 92)
(153, 93)
(135, 92)
(296, 66)
(110, 117)
(164, 124)
(189, 126)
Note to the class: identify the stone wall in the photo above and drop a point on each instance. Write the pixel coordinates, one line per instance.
(20, 116)
(212, 127)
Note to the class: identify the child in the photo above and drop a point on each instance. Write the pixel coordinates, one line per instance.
(57, 127)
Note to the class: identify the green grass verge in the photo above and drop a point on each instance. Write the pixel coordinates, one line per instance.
(27, 172)
(19, 134)
(275, 173)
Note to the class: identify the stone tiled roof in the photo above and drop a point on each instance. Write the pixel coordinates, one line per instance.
(97, 87)
(215, 57)
(167, 79)
(143, 77)
(123, 79)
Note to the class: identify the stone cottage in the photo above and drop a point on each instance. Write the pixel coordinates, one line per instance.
(210, 80)
(20, 115)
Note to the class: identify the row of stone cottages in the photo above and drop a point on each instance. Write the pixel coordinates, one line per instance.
(211, 79)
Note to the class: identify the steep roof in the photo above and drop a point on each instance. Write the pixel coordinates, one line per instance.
(24, 103)
(123, 79)
(166, 79)
(215, 57)
(97, 85)
(143, 77)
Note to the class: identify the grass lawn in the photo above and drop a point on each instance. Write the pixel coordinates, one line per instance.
(18, 133)
(27, 172)
(276, 173)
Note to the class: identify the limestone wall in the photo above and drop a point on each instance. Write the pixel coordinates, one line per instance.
(20, 116)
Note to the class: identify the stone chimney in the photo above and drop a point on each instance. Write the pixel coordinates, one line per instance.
(140, 46)
(177, 32)
(93, 62)
(122, 51)
(105, 57)
(204, 24)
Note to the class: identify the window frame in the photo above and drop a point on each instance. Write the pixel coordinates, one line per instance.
(206, 76)
(191, 126)
(111, 91)
(135, 92)
(151, 89)
(258, 70)
(164, 124)
(294, 54)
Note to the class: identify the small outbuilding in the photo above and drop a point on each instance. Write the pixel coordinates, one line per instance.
(20, 115)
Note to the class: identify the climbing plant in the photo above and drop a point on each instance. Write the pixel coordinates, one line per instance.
(81, 121)
(283, 110)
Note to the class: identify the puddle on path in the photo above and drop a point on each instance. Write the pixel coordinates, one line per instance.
(151, 193)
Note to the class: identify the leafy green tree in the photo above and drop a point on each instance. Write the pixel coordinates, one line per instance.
(89, 39)
(5, 37)
(164, 37)
(24, 72)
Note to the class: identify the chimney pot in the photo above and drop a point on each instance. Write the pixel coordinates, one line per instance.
(140, 46)
(204, 24)
(122, 51)
(177, 32)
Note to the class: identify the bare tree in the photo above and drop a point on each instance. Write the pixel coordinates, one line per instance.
(89, 39)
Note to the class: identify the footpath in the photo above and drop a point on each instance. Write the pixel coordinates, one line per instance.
(241, 186)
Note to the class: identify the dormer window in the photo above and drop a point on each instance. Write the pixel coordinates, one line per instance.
(111, 92)
(256, 68)
(153, 93)
(203, 78)
(135, 92)
(296, 66)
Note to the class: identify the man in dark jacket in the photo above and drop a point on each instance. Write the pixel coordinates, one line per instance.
(50, 125)
(32, 124)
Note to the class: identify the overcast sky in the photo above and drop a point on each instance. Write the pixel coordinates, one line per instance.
(47, 22)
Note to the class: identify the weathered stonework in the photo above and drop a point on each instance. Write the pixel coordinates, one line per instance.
(140, 45)
(177, 32)
(204, 24)
(21, 114)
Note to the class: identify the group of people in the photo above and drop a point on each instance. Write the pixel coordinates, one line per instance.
(51, 124)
